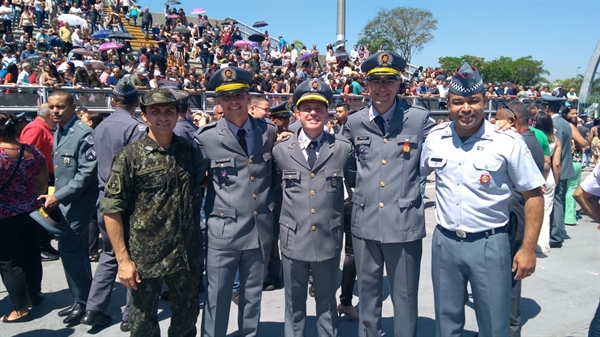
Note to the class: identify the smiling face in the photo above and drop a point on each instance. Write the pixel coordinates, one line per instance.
(466, 112)
(383, 91)
(234, 105)
(160, 119)
(313, 116)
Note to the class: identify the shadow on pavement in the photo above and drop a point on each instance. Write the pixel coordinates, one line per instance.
(46, 333)
(529, 309)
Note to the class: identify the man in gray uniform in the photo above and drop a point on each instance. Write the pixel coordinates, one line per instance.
(563, 132)
(476, 166)
(115, 131)
(312, 165)
(388, 221)
(239, 204)
(76, 194)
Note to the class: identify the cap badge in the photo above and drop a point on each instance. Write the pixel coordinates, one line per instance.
(384, 59)
(314, 85)
(229, 75)
(288, 105)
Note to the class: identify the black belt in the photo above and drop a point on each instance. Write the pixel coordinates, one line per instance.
(472, 236)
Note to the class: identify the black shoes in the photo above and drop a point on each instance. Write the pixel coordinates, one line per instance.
(125, 327)
(66, 311)
(75, 315)
(95, 319)
(47, 256)
(556, 244)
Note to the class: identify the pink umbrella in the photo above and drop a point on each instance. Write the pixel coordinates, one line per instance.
(173, 16)
(198, 10)
(242, 43)
(109, 46)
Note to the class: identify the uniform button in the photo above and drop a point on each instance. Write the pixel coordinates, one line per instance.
(255, 213)
(339, 224)
(313, 228)
(55, 152)
(382, 184)
(384, 161)
(335, 174)
(222, 214)
(313, 192)
(457, 204)
(55, 166)
(385, 140)
(222, 165)
(56, 179)
(313, 211)
(250, 161)
(459, 164)
(253, 196)
(251, 178)
(381, 205)
(312, 175)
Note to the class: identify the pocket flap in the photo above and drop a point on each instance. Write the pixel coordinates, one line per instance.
(293, 175)
(436, 162)
(492, 165)
(362, 140)
(358, 200)
(411, 139)
(222, 162)
(223, 212)
(287, 222)
(329, 173)
(335, 223)
(409, 202)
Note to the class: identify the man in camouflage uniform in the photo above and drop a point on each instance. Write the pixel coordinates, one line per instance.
(149, 219)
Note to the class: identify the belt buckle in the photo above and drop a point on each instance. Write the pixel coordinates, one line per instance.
(461, 234)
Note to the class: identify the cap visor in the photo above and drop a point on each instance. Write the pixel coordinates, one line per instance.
(35, 215)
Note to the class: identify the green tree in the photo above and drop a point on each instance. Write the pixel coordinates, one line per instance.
(374, 45)
(450, 63)
(405, 30)
(299, 44)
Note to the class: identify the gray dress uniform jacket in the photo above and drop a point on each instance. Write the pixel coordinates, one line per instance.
(387, 200)
(75, 171)
(239, 201)
(312, 212)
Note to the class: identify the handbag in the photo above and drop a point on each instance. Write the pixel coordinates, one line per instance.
(15, 170)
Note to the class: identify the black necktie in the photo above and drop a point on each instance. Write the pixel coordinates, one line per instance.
(241, 135)
(312, 153)
(380, 123)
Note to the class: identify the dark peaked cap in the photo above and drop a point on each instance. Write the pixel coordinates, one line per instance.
(466, 81)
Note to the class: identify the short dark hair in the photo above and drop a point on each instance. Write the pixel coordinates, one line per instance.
(343, 104)
(64, 94)
(8, 125)
(126, 102)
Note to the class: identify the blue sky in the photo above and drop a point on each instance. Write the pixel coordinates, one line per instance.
(563, 34)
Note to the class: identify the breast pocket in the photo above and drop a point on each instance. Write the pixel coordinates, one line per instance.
(408, 146)
(68, 159)
(224, 171)
(291, 181)
(334, 179)
(487, 173)
(362, 146)
(152, 179)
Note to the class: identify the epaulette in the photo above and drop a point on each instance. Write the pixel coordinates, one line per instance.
(341, 138)
(439, 127)
(509, 133)
(282, 141)
(208, 126)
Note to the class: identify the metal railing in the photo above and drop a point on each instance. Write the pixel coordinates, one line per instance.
(27, 99)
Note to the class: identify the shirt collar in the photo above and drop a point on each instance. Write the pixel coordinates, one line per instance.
(304, 140)
(234, 128)
(69, 125)
(387, 116)
(150, 145)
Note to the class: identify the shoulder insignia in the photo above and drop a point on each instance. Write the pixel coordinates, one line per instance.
(117, 168)
(142, 127)
(341, 138)
(90, 155)
(113, 185)
(89, 139)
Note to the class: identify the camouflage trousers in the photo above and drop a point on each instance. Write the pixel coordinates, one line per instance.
(183, 292)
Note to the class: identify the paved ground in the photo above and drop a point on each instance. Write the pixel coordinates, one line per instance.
(558, 300)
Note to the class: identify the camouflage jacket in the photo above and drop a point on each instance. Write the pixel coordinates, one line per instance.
(153, 188)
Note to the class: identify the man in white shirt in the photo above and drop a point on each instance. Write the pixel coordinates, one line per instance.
(23, 78)
(353, 54)
(76, 39)
(276, 56)
(294, 53)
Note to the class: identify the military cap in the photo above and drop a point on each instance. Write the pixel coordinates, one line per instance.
(313, 89)
(230, 79)
(552, 100)
(281, 110)
(168, 84)
(52, 220)
(466, 81)
(387, 64)
(158, 96)
(125, 88)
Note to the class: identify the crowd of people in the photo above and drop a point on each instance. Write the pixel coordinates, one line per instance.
(279, 197)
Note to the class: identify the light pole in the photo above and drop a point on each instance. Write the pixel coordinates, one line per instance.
(578, 72)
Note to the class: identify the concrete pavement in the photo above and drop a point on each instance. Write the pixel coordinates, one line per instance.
(558, 300)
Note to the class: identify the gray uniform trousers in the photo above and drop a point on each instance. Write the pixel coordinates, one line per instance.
(106, 272)
(72, 247)
(403, 267)
(324, 274)
(484, 263)
(221, 266)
